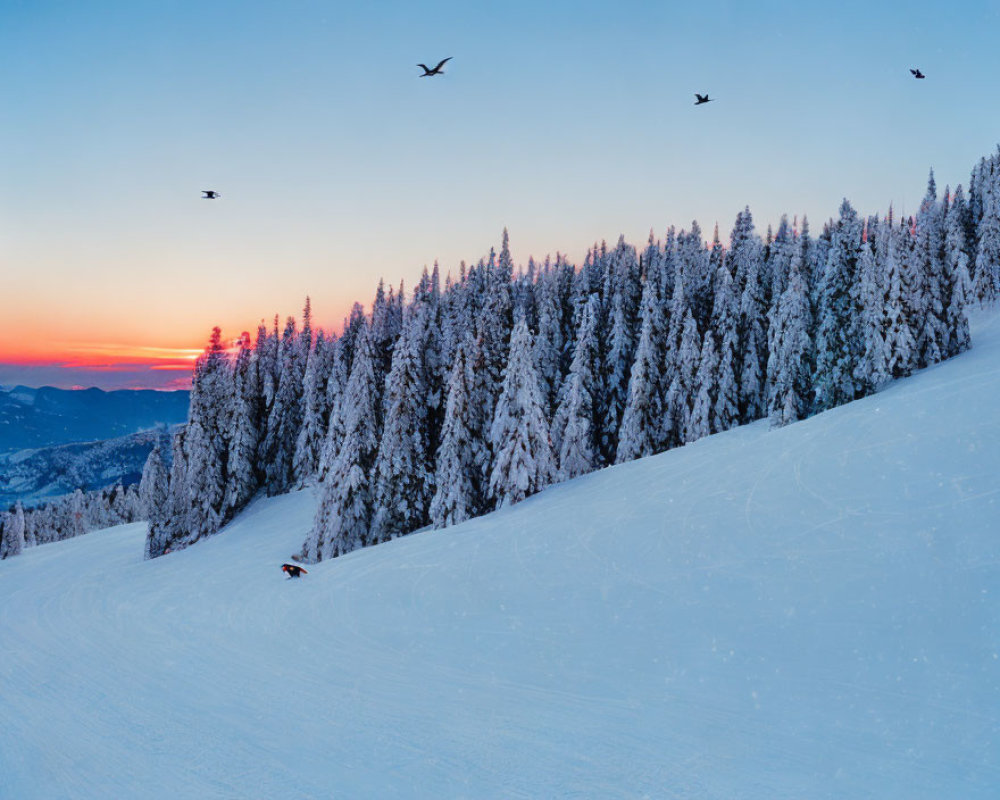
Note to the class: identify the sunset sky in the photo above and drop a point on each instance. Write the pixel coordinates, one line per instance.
(567, 122)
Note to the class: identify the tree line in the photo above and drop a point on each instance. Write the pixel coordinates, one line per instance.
(69, 516)
(474, 394)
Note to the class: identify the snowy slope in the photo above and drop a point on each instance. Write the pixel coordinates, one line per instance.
(805, 613)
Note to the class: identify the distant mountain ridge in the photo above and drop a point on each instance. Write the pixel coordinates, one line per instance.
(33, 418)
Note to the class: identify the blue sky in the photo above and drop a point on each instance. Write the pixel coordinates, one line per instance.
(567, 123)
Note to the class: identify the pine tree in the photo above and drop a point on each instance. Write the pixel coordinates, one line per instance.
(779, 260)
(694, 261)
(522, 455)
(403, 473)
(459, 494)
(174, 525)
(790, 361)
(640, 431)
(497, 318)
(578, 395)
(986, 286)
(932, 335)
(244, 425)
(154, 493)
(872, 371)
(575, 427)
(549, 342)
(309, 444)
(267, 361)
(686, 376)
(343, 518)
(898, 336)
(701, 423)
(838, 346)
(12, 541)
(285, 419)
(725, 326)
(748, 262)
(205, 441)
(912, 284)
(625, 296)
(958, 282)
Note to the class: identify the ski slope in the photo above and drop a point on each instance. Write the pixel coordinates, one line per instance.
(812, 612)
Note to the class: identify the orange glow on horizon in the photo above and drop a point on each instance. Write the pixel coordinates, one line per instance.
(103, 357)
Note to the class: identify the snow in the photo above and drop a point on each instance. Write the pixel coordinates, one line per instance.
(806, 612)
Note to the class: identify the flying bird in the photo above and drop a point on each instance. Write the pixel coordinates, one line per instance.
(701, 98)
(210, 195)
(437, 70)
(918, 74)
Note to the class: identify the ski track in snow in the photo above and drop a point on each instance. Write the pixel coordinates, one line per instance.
(803, 613)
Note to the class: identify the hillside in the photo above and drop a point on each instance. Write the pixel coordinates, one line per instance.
(807, 612)
(34, 418)
(32, 476)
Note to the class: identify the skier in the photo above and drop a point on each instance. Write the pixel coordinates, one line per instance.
(293, 570)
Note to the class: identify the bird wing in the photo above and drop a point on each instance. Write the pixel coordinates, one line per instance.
(424, 66)
(915, 71)
(449, 58)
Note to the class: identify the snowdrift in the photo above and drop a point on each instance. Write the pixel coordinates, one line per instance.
(803, 613)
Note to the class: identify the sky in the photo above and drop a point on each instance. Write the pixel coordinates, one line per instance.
(568, 123)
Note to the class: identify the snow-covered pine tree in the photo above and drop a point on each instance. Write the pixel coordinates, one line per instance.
(343, 518)
(694, 261)
(497, 318)
(838, 345)
(523, 295)
(700, 423)
(583, 371)
(958, 282)
(670, 434)
(174, 525)
(522, 454)
(244, 424)
(725, 327)
(336, 385)
(932, 335)
(205, 442)
(75, 515)
(747, 255)
(432, 364)
(153, 494)
(267, 362)
(12, 541)
(285, 419)
(790, 363)
(312, 433)
(625, 294)
(898, 336)
(912, 285)
(986, 284)
(385, 331)
(549, 343)
(872, 371)
(640, 431)
(686, 376)
(458, 476)
(30, 535)
(575, 426)
(779, 260)
(403, 475)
